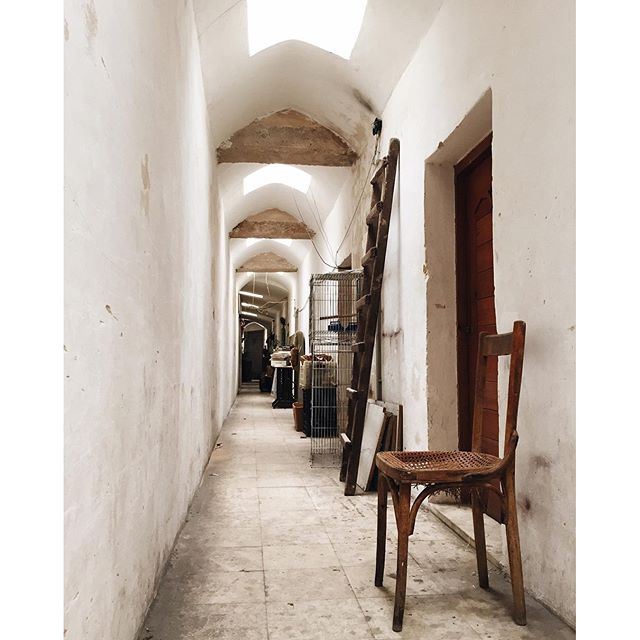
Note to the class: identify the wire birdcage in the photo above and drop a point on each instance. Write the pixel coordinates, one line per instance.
(332, 332)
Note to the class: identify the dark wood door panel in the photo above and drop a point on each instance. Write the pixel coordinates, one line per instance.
(476, 298)
(486, 311)
(484, 229)
(484, 284)
(484, 257)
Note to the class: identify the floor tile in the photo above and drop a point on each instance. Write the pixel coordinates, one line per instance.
(307, 584)
(202, 622)
(217, 559)
(273, 549)
(355, 553)
(296, 556)
(425, 618)
(305, 517)
(280, 479)
(317, 620)
(284, 498)
(235, 587)
(488, 612)
(361, 577)
(293, 534)
(217, 536)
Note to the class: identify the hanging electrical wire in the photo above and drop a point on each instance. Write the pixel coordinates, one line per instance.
(331, 266)
(318, 218)
(266, 281)
(299, 309)
(364, 186)
(220, 15)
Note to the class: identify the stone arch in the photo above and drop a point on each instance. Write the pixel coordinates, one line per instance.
(272, 223)
(266, 262)
(288, 137)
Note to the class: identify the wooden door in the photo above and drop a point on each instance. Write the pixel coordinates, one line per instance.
(253, 343)
(475, 297)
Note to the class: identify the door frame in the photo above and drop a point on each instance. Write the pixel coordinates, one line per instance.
(465, 131)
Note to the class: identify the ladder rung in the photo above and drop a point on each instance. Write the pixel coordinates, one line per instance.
(363, 302)
(380, 170)
(374, 214)
(369, 256)
(357, 347)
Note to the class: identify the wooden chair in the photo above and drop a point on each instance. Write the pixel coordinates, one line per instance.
(471, 471)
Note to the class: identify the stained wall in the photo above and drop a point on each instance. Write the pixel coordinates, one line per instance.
(146, 292)
(507, 68)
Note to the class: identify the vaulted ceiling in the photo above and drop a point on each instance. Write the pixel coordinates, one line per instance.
(273, 287)
(343, 95)
(296, 103)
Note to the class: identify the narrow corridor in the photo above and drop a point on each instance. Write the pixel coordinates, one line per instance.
(273, 549)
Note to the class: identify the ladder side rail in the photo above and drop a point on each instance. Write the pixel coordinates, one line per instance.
(364, 377)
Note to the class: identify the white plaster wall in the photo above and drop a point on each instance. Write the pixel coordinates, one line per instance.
(524, 53)
(143, 398)
(225, 313)
(311, 264)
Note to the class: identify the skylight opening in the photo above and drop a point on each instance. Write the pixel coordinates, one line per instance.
(332, 25)
(277, 174)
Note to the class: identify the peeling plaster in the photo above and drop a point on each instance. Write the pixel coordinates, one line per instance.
(272, 223)
(146, 185)
(290, 137)
(133, 467)
(267, 262)
(90, 22)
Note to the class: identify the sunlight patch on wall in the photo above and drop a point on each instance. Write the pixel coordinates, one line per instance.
(277, 174)
(332, 25)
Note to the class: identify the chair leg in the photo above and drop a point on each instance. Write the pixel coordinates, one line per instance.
(382, 528)
(402, 520)
(513, 546)
(480, 542)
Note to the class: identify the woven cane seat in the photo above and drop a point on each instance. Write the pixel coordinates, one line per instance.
(433, 466)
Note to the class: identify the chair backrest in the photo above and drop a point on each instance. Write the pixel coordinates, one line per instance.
(503, 344)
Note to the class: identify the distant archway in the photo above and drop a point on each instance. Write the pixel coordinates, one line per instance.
(253, 342)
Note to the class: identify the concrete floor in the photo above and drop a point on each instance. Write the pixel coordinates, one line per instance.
(272, 549)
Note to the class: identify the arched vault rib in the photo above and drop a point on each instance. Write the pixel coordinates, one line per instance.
(272, 223)
(267, 262)
(287, 137)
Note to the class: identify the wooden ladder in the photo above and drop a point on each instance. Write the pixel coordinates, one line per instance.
(368, 309)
